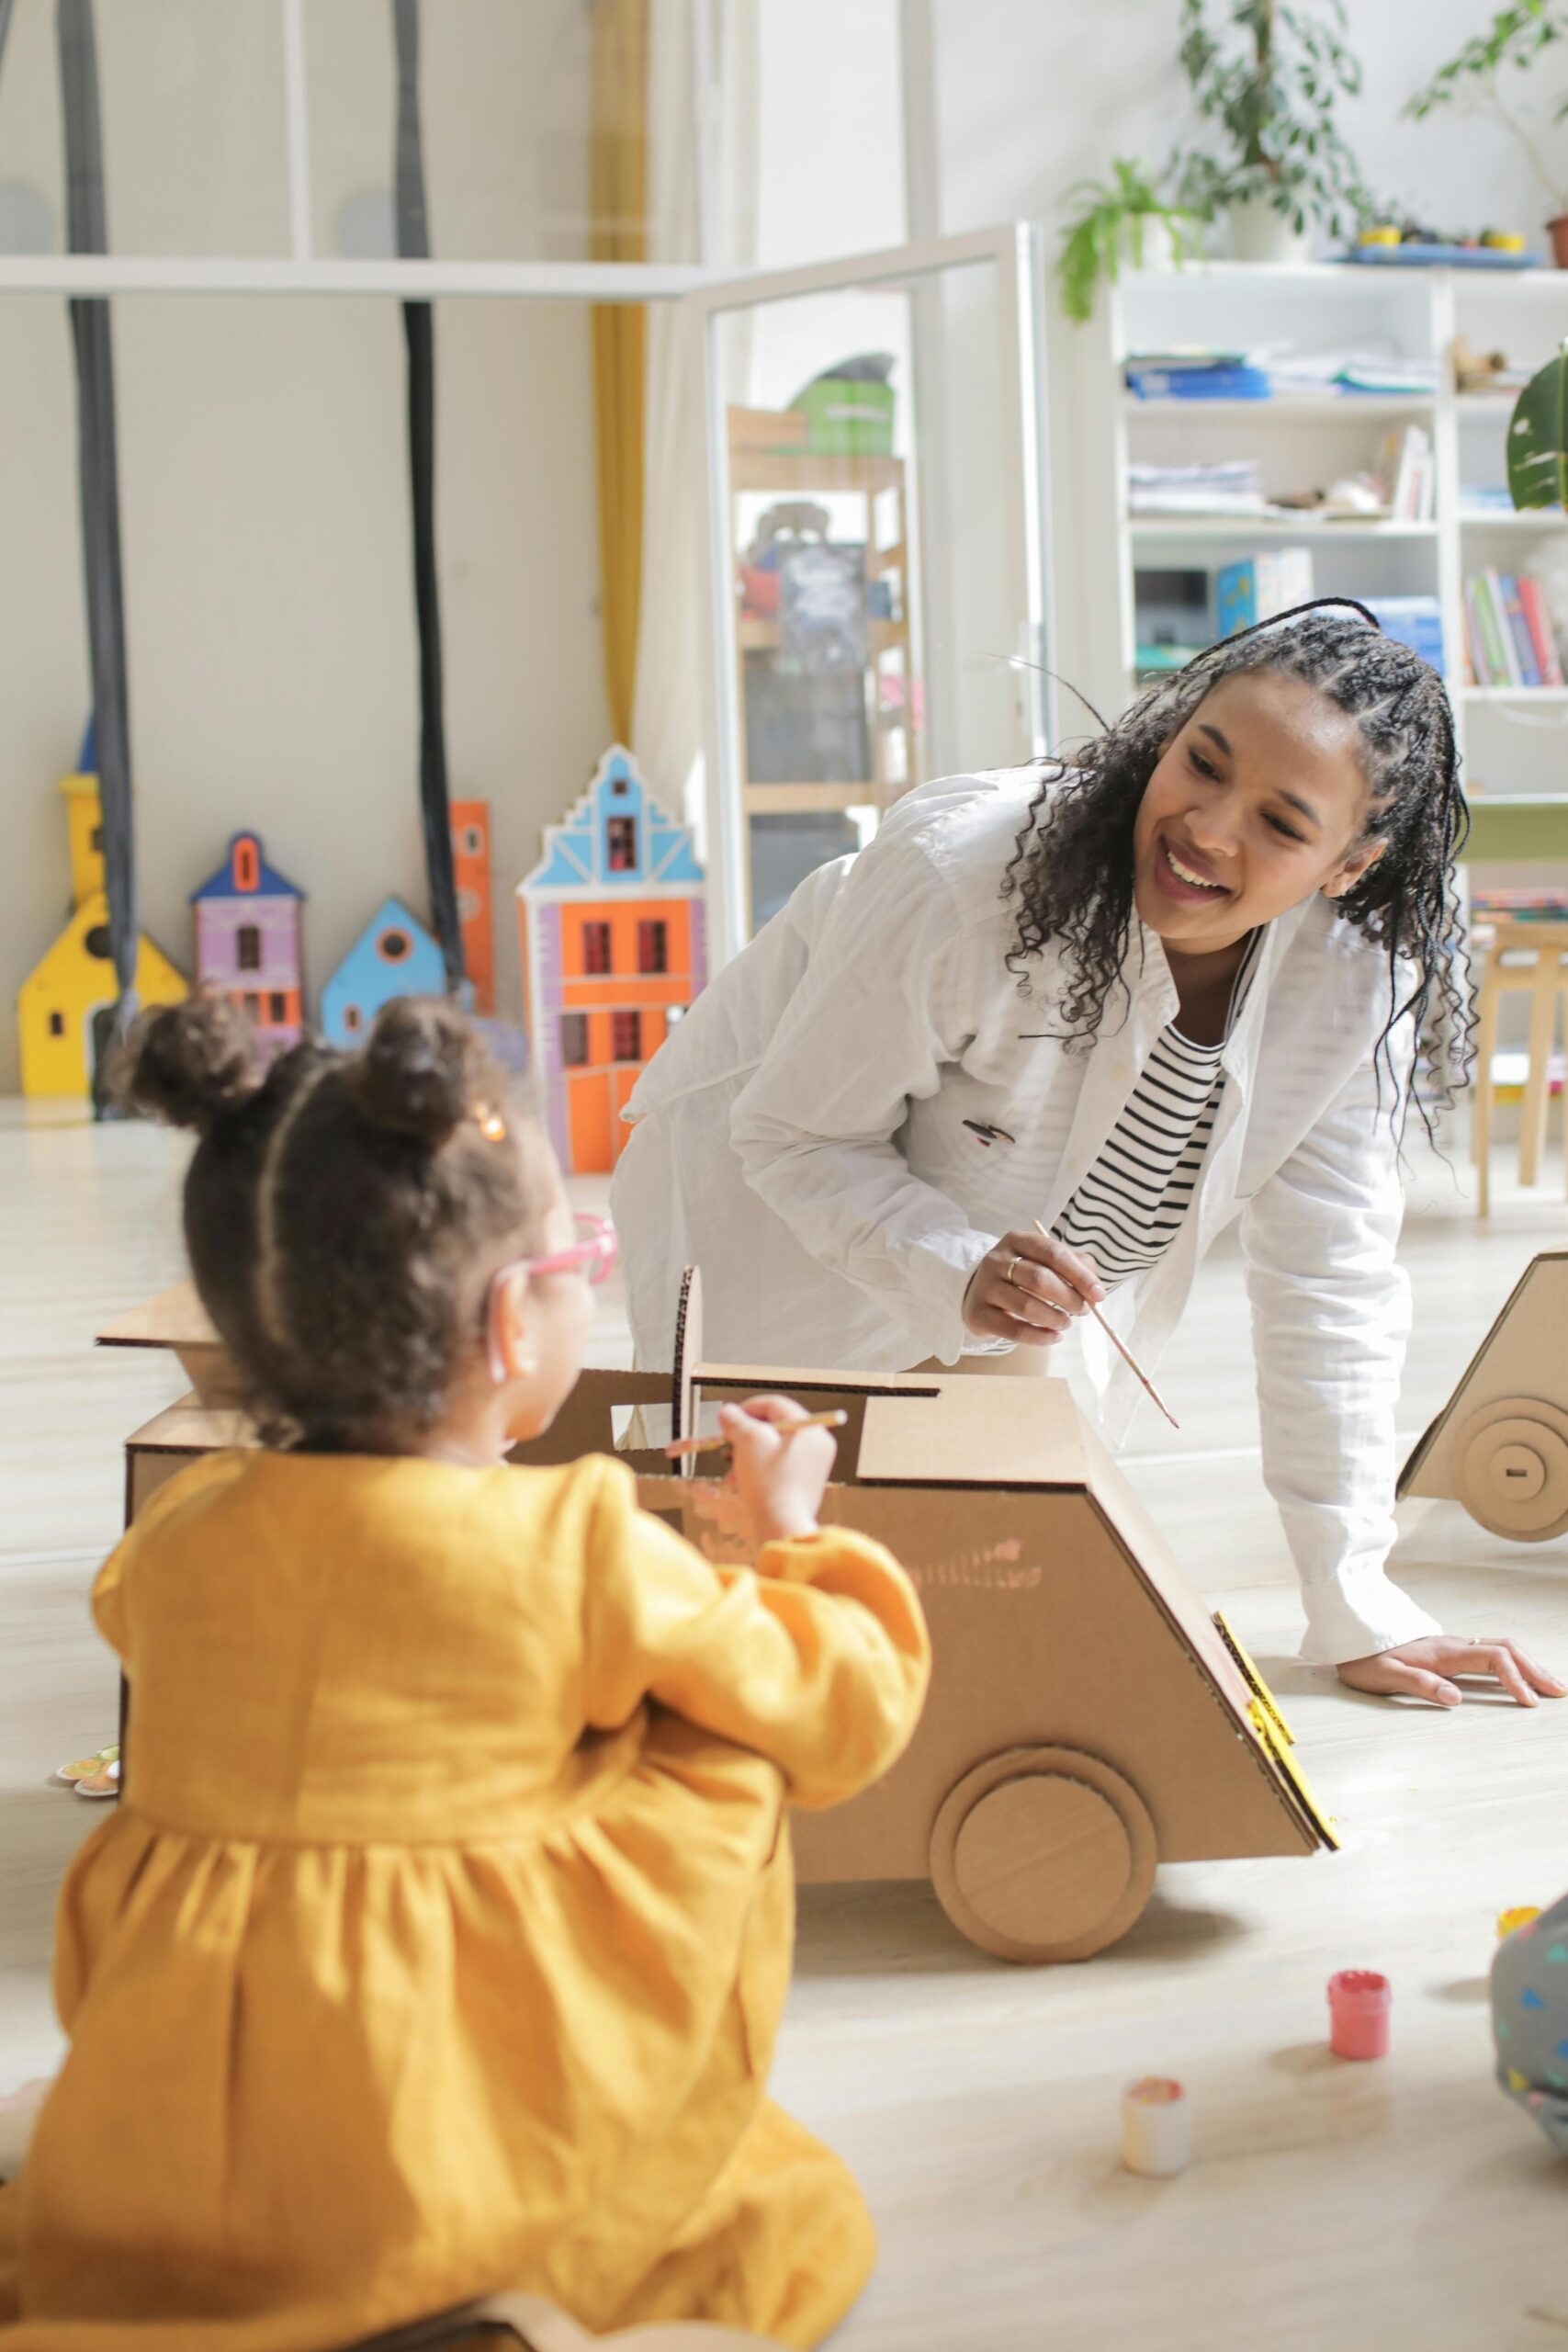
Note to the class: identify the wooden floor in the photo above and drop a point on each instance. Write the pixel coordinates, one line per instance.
(1327, 2205)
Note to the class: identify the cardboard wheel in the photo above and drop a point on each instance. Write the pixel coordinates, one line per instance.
(1042, 1854)
(1511, 1468)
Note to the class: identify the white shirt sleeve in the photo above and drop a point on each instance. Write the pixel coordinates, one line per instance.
(877, 1017)
(1330, 1319)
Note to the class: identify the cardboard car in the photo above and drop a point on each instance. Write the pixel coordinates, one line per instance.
(1088, 1718)
(1500, 1444)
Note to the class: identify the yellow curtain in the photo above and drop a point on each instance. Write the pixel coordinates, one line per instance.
(618, 200)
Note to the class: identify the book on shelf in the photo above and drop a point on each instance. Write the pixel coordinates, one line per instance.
(1415, 621)
(1407, 464)
(1520, 639)
(1256, 587)
(1222, 380)
(1538, 619)
(1508, 630)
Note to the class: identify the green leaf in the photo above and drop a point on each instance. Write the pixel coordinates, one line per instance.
(1538, 439)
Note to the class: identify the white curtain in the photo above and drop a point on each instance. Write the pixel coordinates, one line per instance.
(667, 725)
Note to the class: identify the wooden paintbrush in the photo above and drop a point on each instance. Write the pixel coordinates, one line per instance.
(1125, 1352)
(833, 1421)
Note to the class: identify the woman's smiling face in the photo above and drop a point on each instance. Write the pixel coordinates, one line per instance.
(1256, 802)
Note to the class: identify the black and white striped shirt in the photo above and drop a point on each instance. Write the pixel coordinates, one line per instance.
(1128, 1209)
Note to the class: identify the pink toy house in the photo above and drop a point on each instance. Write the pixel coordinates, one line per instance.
(247, 941)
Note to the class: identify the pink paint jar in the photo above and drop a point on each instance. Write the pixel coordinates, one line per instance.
(1358, 2002)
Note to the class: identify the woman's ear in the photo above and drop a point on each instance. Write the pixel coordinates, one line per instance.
(1349, 871)
(513, 1355)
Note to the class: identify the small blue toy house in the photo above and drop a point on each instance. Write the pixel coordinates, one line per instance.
(393, 955)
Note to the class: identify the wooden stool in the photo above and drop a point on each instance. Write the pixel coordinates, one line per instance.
(1544, 979)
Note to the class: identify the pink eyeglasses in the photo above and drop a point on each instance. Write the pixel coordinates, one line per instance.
(593, 1255)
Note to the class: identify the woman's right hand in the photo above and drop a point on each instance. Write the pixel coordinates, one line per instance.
(1029, 1288)
(777, 1478)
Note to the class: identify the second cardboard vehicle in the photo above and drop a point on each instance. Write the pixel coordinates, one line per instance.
(1500, 1444)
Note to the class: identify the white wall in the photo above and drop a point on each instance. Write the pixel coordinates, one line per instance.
(264, 475)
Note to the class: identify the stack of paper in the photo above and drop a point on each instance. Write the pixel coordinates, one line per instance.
(1232, 487)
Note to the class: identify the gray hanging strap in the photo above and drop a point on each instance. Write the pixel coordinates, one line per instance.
(419, 332)
(88, 234)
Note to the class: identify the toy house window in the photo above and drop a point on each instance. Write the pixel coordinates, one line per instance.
(653, 947)
(626, 1038)
(596, 947)
(620, 842)
(57, 1025)
(249, 938)
(97, 942)
(574, 1040)
(394, 946)
(352, 1018)
(247, 866)
(95, 841)
(470, 841)
(620, 787)
(276, 1010)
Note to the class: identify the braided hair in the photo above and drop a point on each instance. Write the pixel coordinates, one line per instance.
(1072, 871)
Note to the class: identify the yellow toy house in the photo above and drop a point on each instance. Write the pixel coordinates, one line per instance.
(66, 1002)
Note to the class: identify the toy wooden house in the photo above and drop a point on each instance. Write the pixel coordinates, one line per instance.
(1500, 1444)
(613, 950)
(1088, 1717)
(65, 1006)
(248, 941)
(393, 955)
(471, 870)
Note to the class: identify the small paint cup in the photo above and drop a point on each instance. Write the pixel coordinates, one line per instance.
(1156, 2131)
(1519, 1917)
(1358, 2002)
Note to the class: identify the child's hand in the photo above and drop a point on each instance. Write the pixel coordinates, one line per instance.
(779, 1479)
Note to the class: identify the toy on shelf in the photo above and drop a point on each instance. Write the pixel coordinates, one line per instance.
(1088, 1716)
(248, 919)
(613, 950)
(470, 866)
(393, 955)
(1500, 1444)
(65, 1006)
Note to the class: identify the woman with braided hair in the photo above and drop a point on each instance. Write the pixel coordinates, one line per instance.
(1178, 980)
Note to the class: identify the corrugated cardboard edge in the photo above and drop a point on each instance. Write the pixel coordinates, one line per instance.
(1421, 1451)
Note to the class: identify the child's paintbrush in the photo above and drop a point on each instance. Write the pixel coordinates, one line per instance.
(1125, 1352)
(833, 1421)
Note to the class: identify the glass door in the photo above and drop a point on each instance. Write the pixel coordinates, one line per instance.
(875, 543)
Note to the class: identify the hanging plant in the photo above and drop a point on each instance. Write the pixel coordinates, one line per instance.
(1121, 219)
(1538, 438)
(1268, 78)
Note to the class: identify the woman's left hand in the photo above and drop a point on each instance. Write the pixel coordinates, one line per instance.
(1420, 1671)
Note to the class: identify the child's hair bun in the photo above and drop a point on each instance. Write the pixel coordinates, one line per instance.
(416, 1074)
(191, 1064)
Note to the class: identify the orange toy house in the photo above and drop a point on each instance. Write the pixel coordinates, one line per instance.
(470, 868)
(613, 951)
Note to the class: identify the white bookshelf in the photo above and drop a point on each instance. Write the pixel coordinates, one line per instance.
(1514, 739)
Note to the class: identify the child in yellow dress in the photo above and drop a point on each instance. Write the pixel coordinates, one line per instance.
(439, 1942)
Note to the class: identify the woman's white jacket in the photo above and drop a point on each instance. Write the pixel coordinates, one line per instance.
(865, 1100)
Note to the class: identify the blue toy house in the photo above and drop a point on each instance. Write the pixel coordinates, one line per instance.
(393, 955)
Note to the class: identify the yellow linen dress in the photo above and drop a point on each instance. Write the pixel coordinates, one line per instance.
(439, 1942)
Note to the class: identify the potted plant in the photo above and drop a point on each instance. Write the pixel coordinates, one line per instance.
(1538, 438)
(1120, 221)
(1515, 39)
(1268, 78)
